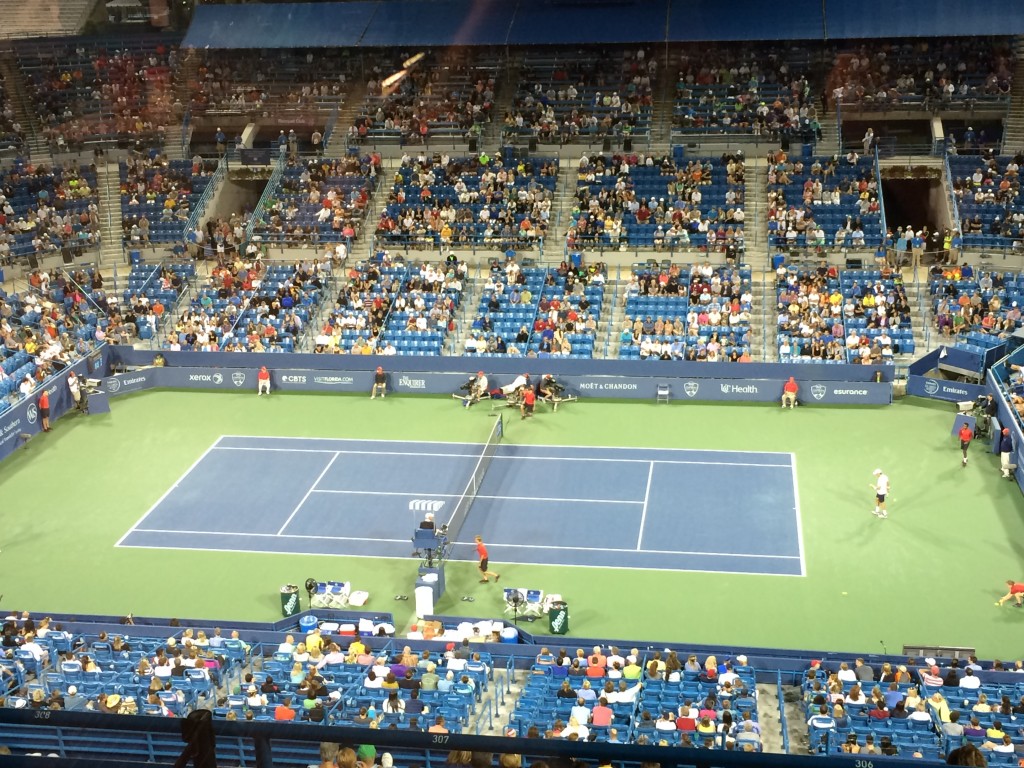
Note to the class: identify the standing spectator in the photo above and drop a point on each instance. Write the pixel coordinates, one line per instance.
(380, 383)
(481, 550)
(263, 382)
(966, 435)
(789, 390)
(1005, 452)
(317, 140)
(75, 386)
(222, 141)
(881, 486)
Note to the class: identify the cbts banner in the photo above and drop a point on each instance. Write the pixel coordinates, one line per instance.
(428, 383)
(939, 389)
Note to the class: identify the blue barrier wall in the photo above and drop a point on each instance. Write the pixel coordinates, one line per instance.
(23, 418)
(504, 365)
(433, 383)
(938, 389)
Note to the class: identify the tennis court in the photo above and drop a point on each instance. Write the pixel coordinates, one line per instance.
(671, 509)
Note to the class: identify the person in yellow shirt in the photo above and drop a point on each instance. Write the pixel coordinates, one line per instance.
(314, 641)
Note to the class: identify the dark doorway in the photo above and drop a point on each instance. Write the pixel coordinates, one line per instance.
(914, 203)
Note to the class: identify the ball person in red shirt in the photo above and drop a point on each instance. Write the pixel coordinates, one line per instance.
(789, 390)
(44, 410)
(966, 434)
(481, 551)
(263, 382)
(529, 399)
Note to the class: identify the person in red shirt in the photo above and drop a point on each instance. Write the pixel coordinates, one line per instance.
(284, 711)
(44, 410)
(529, 399)
(789, 390)
(481, 551)
(966, 434)
(263, 382)
(1016, 591)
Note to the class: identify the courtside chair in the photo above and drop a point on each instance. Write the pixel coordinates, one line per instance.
(663, 393)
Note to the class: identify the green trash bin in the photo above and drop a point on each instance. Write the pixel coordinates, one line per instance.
(289, 600)
(558, 618)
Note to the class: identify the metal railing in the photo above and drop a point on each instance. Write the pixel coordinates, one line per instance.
(196, 215)
(954, 210)
(881, 197)
(186, 126)
(268, 192)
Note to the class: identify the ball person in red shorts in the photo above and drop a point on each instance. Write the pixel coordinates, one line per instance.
(481, 551)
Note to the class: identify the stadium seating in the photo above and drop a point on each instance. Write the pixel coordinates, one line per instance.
(444, 95)
(988, 197)
(103, 90)
(156, 197)
(821, 202)
(583, 96)
(698, 314)
(679, 202)
(486, 201)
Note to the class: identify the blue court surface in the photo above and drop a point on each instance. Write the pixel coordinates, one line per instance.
(689, 510)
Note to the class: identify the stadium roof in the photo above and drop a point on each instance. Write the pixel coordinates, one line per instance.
(379, 23)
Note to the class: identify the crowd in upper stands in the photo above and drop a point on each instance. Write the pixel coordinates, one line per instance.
(281, 80)
(589, 93)
(83, 93)
(926, 73)
(448, 93)
(731, 89)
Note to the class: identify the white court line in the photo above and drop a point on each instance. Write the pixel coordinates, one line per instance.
(498, 457)
(643, 515)
(462, 543)
(642, 551)
(480, 496)
(516, 445)
(273, 535)
(406, 559)
(167, 493)
(303, 501)
(799, 521)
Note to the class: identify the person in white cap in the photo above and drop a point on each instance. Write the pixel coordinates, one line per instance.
(881, 487)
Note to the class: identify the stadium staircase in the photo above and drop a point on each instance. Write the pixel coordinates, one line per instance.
(829, 143)
(565, 199)
(608, 343)
(108, 179)
(24, 113)
(354, 99)
(1013, 125)
(755, 209)
(186, 72)
(664, 113)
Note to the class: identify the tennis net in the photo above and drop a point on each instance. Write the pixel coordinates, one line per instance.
(473, 486)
